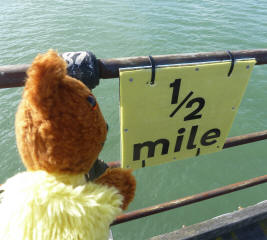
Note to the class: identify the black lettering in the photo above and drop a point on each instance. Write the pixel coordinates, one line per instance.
(175, 93)
(190, 144)
(194, 115)
(179, 140)
(211, 134)
(151, 148)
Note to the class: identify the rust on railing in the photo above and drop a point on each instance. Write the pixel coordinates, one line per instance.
(244, 139)
(14, 75)
(109, 68)
(230, 142)
(189, 200)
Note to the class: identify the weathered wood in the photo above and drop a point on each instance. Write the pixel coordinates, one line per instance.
(14, 76)
(216, 227)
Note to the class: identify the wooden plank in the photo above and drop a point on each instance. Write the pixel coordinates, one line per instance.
(240, 222)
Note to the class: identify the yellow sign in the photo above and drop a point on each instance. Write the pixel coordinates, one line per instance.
(188, 110)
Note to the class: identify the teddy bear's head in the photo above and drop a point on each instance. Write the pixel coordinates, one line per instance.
(59, 126)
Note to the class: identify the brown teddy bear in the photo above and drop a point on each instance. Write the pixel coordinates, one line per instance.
(60, 131)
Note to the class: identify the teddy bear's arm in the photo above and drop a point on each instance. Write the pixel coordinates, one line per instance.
(121, 179)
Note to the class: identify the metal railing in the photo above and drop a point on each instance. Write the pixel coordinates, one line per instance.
(14, 76)
(230, 142)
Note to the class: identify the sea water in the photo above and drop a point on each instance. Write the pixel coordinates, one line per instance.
(126, 28)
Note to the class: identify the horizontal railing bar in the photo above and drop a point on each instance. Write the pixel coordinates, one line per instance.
(189, 200)
(14, 75)
(109, 68)
(230, 142)
(244, 139)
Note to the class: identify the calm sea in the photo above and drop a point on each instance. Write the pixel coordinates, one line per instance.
(132, 28)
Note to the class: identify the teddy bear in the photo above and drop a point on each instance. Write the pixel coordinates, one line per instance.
(60, 132)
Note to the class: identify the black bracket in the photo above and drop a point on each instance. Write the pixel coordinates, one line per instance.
(83, 66)
(232, 58)
(143, 163)
(153, 68)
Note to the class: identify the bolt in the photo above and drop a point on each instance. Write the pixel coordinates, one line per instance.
(130, 79)
(248, 67)
(197, 69)
(125, 130)
(233, 108)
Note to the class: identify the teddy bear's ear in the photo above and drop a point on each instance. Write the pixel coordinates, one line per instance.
(44, 76)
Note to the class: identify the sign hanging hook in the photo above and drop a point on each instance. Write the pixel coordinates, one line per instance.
(153, 68)
(232, 58)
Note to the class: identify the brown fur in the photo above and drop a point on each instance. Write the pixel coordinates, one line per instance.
(58, 130)
(121, 179)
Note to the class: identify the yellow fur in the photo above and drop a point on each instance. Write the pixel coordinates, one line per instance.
(38, 205)
(59, 136)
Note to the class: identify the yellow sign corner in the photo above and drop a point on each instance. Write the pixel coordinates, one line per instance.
(188, 111)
